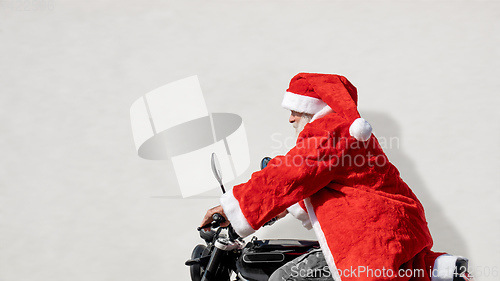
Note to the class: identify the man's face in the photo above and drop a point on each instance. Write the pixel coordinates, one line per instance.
(294, 117)
(299, 120)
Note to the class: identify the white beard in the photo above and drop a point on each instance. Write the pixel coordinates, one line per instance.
(299, 125)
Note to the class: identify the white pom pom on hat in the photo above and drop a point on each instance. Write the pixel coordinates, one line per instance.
(360, 129)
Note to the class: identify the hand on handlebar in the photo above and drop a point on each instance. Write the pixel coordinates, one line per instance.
(276, 218)
(209, 218)
(282, 214)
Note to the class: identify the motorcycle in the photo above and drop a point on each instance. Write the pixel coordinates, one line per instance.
(226, 255)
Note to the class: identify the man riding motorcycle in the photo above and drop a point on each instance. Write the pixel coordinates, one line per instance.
(337, 180)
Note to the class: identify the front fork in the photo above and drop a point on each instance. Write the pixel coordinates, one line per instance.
(216, 267)
(213, 265)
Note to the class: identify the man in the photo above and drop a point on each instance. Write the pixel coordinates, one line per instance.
(338, 181)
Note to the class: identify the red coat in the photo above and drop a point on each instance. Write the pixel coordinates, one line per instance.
(363, 213)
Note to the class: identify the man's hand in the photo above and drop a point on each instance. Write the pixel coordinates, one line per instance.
(208, 217)
(282, 214)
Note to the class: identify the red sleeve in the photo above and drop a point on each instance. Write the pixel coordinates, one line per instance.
(288, 179)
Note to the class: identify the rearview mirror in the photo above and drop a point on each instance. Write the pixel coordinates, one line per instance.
(216, 168)
(264, 162)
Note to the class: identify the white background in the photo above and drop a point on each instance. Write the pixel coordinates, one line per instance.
(77, 203)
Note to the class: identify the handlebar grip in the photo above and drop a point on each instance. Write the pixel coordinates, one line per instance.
(218, 218)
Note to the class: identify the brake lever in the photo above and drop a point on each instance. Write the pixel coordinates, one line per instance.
(205, 226)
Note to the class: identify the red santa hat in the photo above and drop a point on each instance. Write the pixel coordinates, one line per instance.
(321, 94)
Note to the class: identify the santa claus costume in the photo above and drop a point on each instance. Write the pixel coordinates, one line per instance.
(337, 180)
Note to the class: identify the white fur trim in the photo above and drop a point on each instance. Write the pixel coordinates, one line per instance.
(360, 129)
(301, 215)
(302, 104)
(444, 267)
(233, 212)
(323, 112)
(322, 240)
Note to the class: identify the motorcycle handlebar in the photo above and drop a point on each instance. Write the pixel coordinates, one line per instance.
(217, 220)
